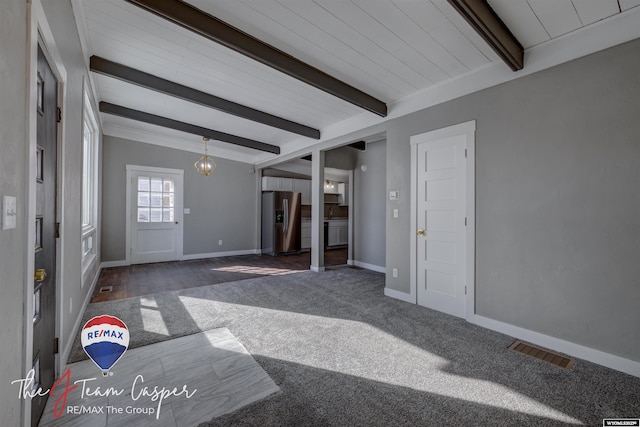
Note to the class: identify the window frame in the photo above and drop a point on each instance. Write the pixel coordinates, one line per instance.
(89, 184)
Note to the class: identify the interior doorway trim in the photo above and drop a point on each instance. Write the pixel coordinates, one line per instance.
(468, 129)
(39, 34)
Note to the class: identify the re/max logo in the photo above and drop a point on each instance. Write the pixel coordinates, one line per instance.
(103, 333)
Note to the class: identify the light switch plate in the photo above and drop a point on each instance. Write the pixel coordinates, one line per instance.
(8, 212)
(393, 195)
(187, 211)
(395, 213)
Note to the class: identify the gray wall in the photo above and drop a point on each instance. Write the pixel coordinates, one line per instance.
(13, 137)
(368, 205)
(340, 158)
(223, 205)
(557, 203)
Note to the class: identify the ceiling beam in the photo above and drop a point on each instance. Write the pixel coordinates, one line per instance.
(214, 29)
(148, 81)
(141, 116)
(493, 30)
(359, 145)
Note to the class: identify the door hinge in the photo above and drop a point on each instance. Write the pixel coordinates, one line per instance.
(56, 345)
(465, 221)
(57, 230)
(465, 290)
(465, 153)
(58, 114)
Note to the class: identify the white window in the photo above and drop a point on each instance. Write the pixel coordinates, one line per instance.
(90, 140)
(156, 198)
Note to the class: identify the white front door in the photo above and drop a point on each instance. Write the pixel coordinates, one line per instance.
(441, 242)
(155, 214)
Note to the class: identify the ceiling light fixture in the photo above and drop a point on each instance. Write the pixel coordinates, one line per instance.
(205, 164)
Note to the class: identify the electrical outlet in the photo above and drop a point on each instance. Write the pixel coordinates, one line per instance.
(394, 273)
(395, 213)
(219, 242)
(71, 305)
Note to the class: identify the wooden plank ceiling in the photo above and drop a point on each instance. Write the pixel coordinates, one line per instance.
(388, 49)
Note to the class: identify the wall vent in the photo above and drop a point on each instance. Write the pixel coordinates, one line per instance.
(104, 289)
(543, 354)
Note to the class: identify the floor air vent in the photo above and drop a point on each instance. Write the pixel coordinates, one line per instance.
(542, 354)
(104, 289)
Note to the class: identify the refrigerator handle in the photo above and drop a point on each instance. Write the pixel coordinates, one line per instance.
(285, 208)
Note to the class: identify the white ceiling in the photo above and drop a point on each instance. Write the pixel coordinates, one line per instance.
(391, 49)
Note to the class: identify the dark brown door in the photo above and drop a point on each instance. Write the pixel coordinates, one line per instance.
(44, 296)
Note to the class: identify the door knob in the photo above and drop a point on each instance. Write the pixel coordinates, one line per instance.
(39, 275)
(421, 232)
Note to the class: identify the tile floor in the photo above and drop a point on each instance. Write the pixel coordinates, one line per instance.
(212, 367)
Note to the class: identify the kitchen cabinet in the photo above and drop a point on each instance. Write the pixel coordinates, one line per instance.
(305, 235)
(272, 183)
(343, 194)
(338, 233)
(303, 186)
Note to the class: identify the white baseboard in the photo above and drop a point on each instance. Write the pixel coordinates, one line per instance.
(372, 267)
(221, 254)
(316, 269)
(78, 323)
(402, 296)
(108, 264)
(576, 350)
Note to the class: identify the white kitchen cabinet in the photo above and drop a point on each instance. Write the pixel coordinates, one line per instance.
(272, 183)
(338, 233)
(343, 194)
(303, 186)
(305, 235)
(268, 183)
(286, 184)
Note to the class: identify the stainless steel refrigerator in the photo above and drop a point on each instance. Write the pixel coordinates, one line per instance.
(280, 222)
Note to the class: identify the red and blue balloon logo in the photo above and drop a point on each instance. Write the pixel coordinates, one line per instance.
(105, 339)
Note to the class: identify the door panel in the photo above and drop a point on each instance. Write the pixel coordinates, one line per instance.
(441, 257)
(156, 217)
(44, 296)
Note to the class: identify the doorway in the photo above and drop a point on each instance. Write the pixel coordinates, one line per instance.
(154, 214)
(443, 205)
(46, 235)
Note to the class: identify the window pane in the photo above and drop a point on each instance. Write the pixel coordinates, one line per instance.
(167, 215)
(143, 183)
(167, 200)
(168, 186)
(156, 184)
(156, 200)
(36, 305)
(156, 215)
(143, 199)
(143, 214)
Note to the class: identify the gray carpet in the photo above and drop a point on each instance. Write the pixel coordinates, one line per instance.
(343, 354)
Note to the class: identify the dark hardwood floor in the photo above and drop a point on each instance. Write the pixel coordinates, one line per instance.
(146, 279)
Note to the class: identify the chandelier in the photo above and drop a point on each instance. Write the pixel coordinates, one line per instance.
(205, 164)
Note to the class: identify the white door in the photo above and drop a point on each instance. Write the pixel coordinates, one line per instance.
(441, 229)
(155, 232)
